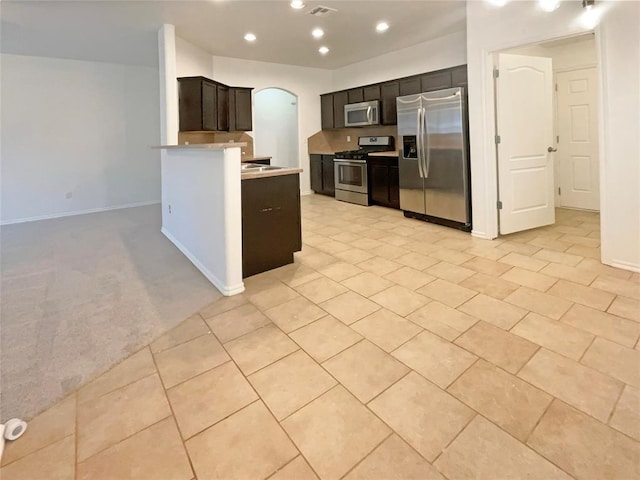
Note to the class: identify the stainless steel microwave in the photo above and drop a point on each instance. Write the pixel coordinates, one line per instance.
(362, 114)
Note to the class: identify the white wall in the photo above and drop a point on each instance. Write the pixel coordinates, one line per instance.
(192, 61)
(492, 29)
(581, 53)
(447, 51)
(275, 117)
(79, 127)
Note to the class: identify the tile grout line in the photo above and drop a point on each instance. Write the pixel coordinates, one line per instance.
(391, 433)
(173, 414)
(263, 402)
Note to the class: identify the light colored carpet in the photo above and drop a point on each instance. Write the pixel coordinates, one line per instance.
(81, 293)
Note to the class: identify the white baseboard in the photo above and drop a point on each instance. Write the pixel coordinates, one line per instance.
(78, 212)
(475, 233)
(306, 192)
(624, 265)
(226, 290)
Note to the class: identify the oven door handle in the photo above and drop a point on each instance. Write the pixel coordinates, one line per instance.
(345, 161)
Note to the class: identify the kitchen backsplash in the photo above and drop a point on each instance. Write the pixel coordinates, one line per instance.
(218, 137)
(330, 141)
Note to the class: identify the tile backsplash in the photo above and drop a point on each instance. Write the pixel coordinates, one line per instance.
(218, 137)
(330, 141)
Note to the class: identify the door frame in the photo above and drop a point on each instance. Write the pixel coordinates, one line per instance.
(490, 127)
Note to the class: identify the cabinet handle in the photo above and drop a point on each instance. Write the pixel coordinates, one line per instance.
(269, 209)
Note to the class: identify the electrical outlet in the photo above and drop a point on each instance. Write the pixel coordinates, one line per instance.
(68, 195)
(169, 208)
(348, 138)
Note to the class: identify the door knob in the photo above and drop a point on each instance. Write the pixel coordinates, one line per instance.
(551, 149)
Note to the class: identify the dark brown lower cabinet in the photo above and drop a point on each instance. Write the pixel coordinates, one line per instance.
(271, 226)
(384, 186)
(322, 174)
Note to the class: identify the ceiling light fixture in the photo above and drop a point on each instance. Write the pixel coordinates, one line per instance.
(588, 4)
(317, 33)
(549, 5)
(297, 4)
(250, 37)
(382, 27)
(323, 50)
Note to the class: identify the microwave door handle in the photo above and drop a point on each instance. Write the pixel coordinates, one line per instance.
(369, 119)
(419, 141)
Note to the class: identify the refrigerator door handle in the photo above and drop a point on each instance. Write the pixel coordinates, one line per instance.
(425, 146)
(419, 143)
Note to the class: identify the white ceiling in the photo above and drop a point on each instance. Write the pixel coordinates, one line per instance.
(125, 31)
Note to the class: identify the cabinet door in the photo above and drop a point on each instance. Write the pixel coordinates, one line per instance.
(436, 81)
(371, 92)
(394, 187)
(190, 104)
(410, 86)
(223, 108)
(328, 175)
(379, 183)
(326, 109)
(242, 110)
(340, 99)
(459, 76)
(315, 166)
(209, 106)
(388, 93)
(270, 222)
(355, 95)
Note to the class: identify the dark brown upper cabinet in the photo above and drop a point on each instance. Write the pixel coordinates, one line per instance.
(332, 104)
(340, 99)
(223, 106)
(372, 92)
(388, 93)
(199, 104)
(435, 81)
(326, 109)
(459, 76)
(410, 86)
(240, 109)
(206, 105)
(355, 95)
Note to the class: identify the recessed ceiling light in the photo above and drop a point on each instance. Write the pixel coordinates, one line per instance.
(323, 50)
(250, 37)
(382, 27)
(549, 5)
(317, 33)
(297, 4)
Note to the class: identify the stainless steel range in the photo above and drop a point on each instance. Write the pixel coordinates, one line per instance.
(352, 183)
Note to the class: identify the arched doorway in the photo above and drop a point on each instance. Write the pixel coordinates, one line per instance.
(275, 126)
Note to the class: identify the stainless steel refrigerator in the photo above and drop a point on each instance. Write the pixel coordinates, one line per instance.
(433, 157)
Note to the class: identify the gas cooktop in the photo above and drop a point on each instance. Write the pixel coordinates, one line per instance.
(369, 145)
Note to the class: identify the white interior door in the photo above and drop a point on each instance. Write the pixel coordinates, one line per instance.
(524, 110)
(578, 169)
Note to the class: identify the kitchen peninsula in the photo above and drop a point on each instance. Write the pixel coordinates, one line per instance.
(202, 211)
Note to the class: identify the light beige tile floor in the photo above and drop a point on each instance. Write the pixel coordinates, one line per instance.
(391, 348)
